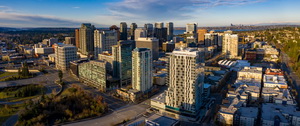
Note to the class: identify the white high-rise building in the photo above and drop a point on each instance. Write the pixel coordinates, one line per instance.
(64, 54)
(104, 40)
(185, 80)
(230, 45)
(142, 69)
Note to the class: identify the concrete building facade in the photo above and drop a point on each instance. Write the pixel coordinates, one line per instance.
(150, 43)
(185, 80)
(64, 54)
(142, 69)
(104, 40)
(86, 38)
(230, 45)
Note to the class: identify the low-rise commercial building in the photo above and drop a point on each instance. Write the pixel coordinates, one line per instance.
(277, 95)
(279, 115)
(275, 81)
(253, 74)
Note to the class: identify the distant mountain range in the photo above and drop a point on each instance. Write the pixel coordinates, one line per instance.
(256, 27)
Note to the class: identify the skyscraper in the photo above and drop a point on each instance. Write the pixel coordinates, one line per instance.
(133, 26)
(159, 25)
(114, 27)
(122, 64)
(201, 33)
(70, 40)
(64, 54)
(149, 29)
(230, 45)
(77, 39)
(161, 35)
(104, 40)
(185, 80)
(86, 35)
(191, 28)
(123, 31)
(170, 30)
(142, 69)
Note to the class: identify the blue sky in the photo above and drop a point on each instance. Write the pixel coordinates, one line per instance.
(103, 13)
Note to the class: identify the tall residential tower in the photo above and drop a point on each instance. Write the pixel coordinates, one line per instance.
(86, 38)
(133, 26)
(123, 31)
(230, 45)
(170, 30)
(185, 80)
(104, 40)
(142, 69)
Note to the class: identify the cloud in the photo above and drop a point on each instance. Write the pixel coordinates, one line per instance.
(75, 7)
(27, 20)
(5, 9)
(159, 10)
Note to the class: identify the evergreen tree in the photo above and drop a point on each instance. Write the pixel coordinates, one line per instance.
(60, 75)
(19, 72)
(25, 70)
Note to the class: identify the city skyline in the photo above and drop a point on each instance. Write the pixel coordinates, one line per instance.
(103, 13)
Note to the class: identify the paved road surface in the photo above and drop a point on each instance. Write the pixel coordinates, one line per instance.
(296, 80)
(128, 112)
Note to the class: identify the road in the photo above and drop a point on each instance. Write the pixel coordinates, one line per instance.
(296, 81)
(127, 112)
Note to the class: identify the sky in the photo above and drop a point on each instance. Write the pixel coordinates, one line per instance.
(104, 13)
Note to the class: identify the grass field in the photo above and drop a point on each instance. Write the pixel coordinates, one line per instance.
(7, 111)
(9, 94)
(3, 74)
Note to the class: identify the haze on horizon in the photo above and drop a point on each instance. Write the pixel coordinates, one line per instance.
(103, 13)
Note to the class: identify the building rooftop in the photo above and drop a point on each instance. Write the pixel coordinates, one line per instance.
(248, 82)
(206, 85)
(251, 112)
(231, 105)
(272, 110)
(215, 78)
(185, 51)
(274, 79)
(140, 49)
(252, 69)
(154, 120)
(270, 90)
(160, 98)
(147, 39)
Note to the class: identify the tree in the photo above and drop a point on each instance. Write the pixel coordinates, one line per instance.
(60, 75)
(19, 72)
(25, 70)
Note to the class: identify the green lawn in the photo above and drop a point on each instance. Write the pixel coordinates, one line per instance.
(8, 94)
(3, 74)
(9, 110)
